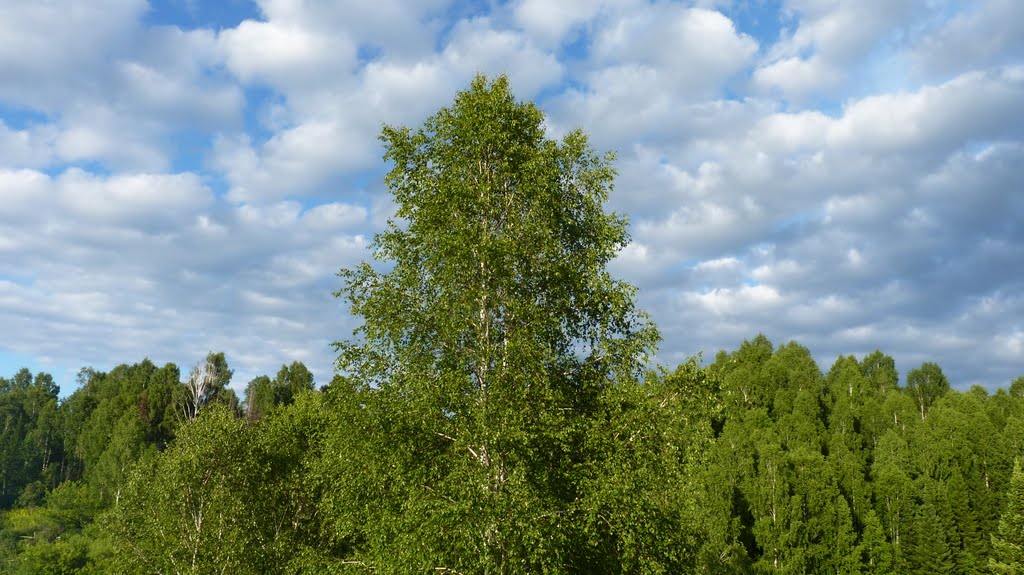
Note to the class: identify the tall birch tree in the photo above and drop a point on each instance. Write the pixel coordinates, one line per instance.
(489, 334)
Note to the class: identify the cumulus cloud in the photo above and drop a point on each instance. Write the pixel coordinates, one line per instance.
(829, 41)
(978, 36)
(50, 50)
(122, 267)
(284, 55)
(31, 147)
(552, 23)
(851, 181)
(648, 67)
(883, 222)
(337, 109)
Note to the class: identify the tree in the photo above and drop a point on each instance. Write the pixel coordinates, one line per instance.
(263, 394)
(206, 505)
(259, 397)
(926, 383)
(929, 553)
(1008, 542)
(644, 494)
(493, 335)
(1017, 387)
(880, 371)
(29, 437)
(292, 380)
(746, 382)
(207, 382)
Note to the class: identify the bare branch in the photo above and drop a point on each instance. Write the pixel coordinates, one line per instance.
(444, 435)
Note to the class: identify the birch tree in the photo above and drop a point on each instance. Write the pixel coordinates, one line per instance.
(206, 382)
(491, 334)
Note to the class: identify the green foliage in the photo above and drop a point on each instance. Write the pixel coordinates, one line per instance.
(49, 538)
(264, 394)
(29, 437)
(206, 505)
(1008, 541)
(492, 339)
(642, 497)
(926, 383)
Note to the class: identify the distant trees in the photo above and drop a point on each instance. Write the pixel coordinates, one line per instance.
(263, 394)
(1008, 540)
(672, 472)
(207, 382)
(30, 434)
(69, 467)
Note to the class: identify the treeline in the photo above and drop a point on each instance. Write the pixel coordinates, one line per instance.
(64, 463)
(851, 473)
(757, 463)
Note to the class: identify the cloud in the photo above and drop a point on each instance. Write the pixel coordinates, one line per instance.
(648, 67)
(552, 23)
(660, 36)
(286, 55)
(831, 41)
(105, 89)
(850, 181)
(881, 223)
(49, 51)
(31, 147)
(972, 106)
(131, 199)
(335, 122)
(21, 191)
(476, 46)
(978, 36)
(295, 162)
(136, 265)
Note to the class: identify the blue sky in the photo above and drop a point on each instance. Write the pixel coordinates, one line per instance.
(181, 176)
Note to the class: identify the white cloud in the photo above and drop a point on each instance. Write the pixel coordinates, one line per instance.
(334, 216)
(287, 56)
(27, 148)
(832, 38)
(110, 90)
(296, 161)
(140, 200)
(401, 29)
(648, 65)
(155, 93)
(974, 105)
(336, 119)
(49, 51)
(95, 133)
(552, 22)
(21, 191)
(693, 49)
(167, 192)
(741, 301)
(981, 34)
(477, 46)
(798, 75)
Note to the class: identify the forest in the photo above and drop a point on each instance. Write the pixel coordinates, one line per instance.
(499, 412)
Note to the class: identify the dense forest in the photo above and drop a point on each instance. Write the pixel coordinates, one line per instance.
(757, 463)
(498, 412)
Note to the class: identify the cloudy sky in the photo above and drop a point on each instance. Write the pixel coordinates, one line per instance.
(178, 176)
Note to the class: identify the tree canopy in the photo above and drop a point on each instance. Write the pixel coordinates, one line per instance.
(495, 330)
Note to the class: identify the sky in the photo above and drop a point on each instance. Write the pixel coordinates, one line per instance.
(185, 176)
